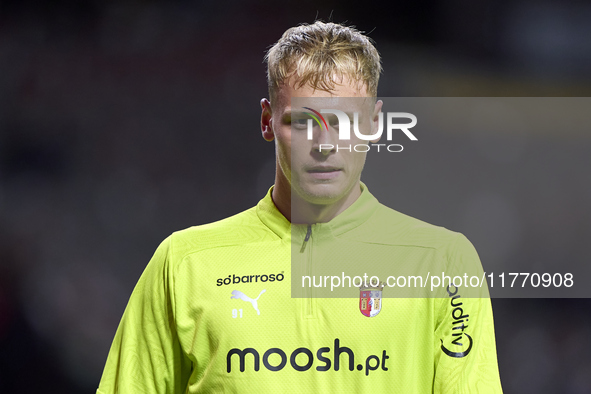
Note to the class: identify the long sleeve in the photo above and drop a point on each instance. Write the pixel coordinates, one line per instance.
(466, 359)
(146, 356)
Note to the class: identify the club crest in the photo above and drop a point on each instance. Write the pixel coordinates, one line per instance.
(370, 299)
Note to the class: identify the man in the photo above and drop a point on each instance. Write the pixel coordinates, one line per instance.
(214, 312)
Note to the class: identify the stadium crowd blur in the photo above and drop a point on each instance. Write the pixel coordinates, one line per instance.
(121, 122)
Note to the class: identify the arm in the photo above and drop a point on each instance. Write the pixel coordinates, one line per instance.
(465, 350)
(146, 356)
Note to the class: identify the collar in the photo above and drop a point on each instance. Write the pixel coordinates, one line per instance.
(352, 217)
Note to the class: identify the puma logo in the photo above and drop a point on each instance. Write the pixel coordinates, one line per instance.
(240, 295)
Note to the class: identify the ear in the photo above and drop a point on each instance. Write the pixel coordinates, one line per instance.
(375, 119)
(267, 120)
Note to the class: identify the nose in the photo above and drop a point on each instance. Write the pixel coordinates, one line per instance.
(326, 141)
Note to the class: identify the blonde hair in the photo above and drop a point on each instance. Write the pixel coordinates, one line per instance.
(317, 53)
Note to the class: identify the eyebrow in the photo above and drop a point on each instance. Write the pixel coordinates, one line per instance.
(299, 113)
(290, 113)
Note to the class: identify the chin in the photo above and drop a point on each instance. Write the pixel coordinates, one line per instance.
(321, 193)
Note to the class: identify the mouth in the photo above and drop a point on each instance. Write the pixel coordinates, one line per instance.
(322, 172)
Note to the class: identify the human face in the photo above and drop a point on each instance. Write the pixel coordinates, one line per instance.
(307, 169)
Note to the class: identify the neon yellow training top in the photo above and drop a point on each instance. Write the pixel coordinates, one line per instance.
(213, 313)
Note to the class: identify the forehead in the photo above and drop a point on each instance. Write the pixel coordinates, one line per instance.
(335, 98)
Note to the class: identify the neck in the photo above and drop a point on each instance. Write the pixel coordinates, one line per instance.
(299, 211)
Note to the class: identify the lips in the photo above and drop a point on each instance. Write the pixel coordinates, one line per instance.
(323, 169)
(324, 172)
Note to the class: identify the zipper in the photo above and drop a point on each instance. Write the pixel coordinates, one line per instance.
(308, 300)
(306, 239)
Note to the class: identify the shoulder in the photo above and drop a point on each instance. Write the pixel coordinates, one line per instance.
(240, 229)
(397, 229)
(389, 226)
